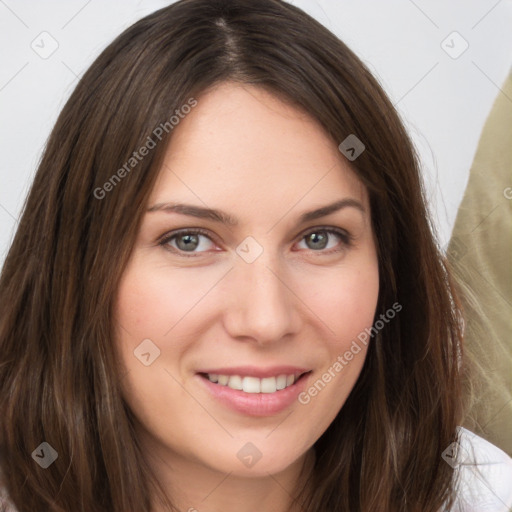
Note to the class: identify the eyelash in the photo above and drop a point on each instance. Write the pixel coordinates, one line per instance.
(345, 237)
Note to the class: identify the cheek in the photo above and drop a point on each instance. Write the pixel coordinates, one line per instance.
(147, 304)
(147, 309)
(345, 300)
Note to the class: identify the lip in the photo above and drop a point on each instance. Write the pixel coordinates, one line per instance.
(256, 404)
(254, 371)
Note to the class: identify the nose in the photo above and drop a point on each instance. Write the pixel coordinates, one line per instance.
(262, 306)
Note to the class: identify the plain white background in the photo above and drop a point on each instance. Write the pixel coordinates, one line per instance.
(443, 93)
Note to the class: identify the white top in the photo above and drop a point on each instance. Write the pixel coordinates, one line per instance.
(485, 475)
(484, 471)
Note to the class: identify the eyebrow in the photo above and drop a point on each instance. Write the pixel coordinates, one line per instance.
(224, 218)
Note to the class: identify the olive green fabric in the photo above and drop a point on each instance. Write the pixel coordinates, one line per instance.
(480, 253)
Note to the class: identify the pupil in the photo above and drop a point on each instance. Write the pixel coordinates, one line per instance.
(318, 240)
(187, 242)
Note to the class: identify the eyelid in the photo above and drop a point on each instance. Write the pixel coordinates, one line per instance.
(346, 238)
(164, 239)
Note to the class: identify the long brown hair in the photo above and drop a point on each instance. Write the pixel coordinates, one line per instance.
(59, 378)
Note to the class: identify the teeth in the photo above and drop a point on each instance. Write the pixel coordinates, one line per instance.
(253, 384)
(281, 382)
(268, 385)
(223, 380)
(235, 382)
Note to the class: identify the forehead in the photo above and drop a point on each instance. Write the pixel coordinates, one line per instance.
(244, 148)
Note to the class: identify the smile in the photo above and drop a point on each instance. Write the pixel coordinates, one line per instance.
(252, 391)
(254, 384)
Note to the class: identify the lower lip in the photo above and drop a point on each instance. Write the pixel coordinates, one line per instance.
(256, 404)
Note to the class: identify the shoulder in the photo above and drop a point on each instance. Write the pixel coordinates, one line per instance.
(5, 504)
(484, 475)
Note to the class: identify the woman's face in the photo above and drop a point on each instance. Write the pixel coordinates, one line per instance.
(254, 271)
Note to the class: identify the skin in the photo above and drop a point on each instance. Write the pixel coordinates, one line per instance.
(264, 162)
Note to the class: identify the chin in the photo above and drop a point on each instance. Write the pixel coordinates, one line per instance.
(250, 461)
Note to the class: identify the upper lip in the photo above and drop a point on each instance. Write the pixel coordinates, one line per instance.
(254, 371)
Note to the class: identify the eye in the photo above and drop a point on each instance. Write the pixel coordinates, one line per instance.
(189, 241)
(320, 239)
(193, 241)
